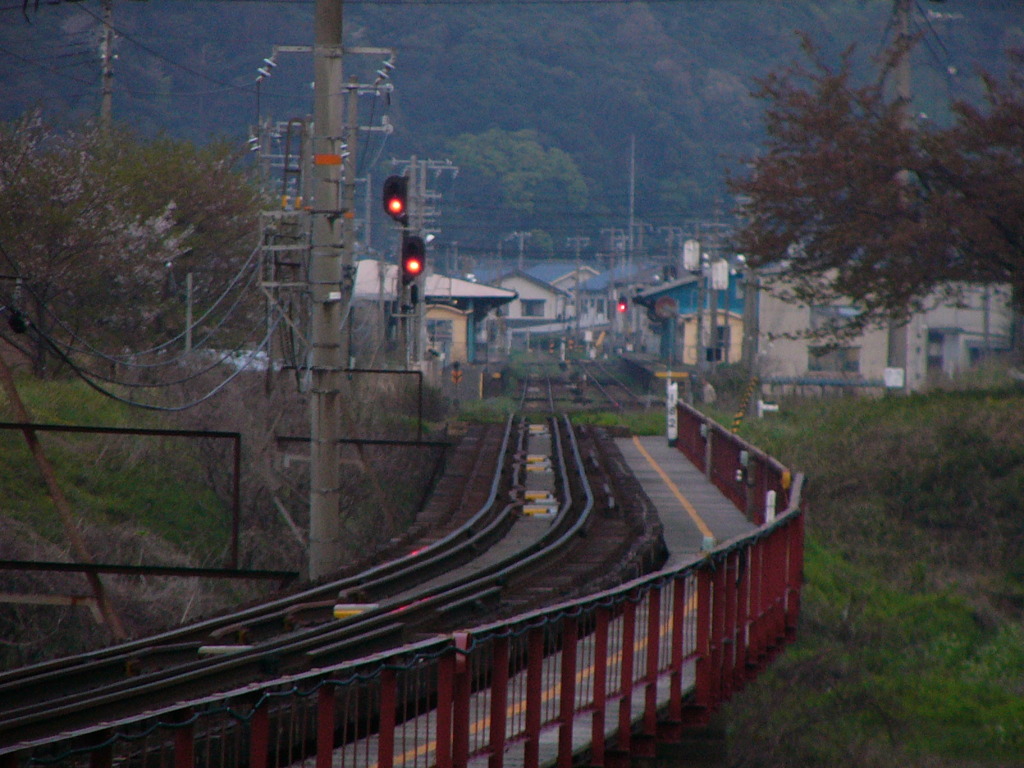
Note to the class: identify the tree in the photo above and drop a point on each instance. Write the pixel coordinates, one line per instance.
(91, 221)
(515, 172)
(851, 202)
(975, 178)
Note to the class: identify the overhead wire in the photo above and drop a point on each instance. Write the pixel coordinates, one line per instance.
(87, 378)
(222, 356)
(127, 361)
(166, 59)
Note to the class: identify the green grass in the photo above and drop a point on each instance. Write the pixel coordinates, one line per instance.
(911, 646)
(145, 484)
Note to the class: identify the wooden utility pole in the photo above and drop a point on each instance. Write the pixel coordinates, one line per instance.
(331, 284)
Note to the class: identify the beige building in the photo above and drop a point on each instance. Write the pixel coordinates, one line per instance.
(957, 332)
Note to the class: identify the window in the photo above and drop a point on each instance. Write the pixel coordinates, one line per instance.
(833, 359)
(533, 307)
(827, 318)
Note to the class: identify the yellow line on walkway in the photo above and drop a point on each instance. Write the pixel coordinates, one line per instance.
(690, 510)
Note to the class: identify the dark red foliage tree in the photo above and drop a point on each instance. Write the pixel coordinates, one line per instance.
(852, 203)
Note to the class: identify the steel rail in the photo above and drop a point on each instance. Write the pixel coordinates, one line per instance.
(372, 630)
(603, 388)
(25, 684)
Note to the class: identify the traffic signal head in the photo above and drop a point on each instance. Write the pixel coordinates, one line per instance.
(396, 190)
(414, 258)
(623, 305)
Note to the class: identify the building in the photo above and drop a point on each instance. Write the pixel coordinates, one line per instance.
(456, 311)
(674, 311)
(963, 325)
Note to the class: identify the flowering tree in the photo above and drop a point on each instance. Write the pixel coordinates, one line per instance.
(91, 225)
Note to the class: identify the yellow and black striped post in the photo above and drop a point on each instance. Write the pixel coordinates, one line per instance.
(741, 411)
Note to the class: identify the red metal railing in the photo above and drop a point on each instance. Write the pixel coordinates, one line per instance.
(612, 674)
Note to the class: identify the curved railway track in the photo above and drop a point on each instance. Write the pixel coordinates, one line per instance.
(516, 520)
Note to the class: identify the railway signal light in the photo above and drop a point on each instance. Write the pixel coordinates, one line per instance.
(396, 193)
(414, 258)
(623, 305)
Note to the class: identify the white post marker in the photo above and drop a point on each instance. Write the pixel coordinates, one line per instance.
(671, 416)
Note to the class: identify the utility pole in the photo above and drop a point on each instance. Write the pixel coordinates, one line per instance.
(897, 356)
(107, 65)
(331, 292)
(521, 237)
(577, 243)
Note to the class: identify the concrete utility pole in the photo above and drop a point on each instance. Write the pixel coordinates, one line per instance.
(577, 243)
(897, 356)
(331, 292)
(522, 238)
(107, 64)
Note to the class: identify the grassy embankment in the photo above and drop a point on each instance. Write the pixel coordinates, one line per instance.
(135, 501)
(150, 483)
(911, 648)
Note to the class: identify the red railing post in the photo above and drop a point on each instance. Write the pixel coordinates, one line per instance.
(534, 670)
(259, 737)
(386, 731)
(718, 631)
(777, 595)
(603, 619)
(102, 755)
(325, 706)
(697, 713)
(499, 701)
(185, 742)
(626, 676)
(675, 700)
(730, 634)
(445, 699)
(567, 694)
(758, 646)
(653, 644)
(743, 630)
(460, 702)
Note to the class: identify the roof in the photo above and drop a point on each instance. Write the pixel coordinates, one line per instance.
(622, 273)
(523, 275)
(552, 271)
(648, 295)
(369, 284)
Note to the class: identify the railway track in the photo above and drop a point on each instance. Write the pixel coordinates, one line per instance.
(581, 385)
(612, 390)
(528, 513)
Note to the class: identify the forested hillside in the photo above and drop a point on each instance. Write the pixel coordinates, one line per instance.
(582, 79)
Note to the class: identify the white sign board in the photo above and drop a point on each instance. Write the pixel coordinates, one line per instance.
(671, 416)
(894, 378)
(691, 255)
(720, 275)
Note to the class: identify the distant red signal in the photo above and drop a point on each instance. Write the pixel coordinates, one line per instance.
(414, 258)
(396, 193)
